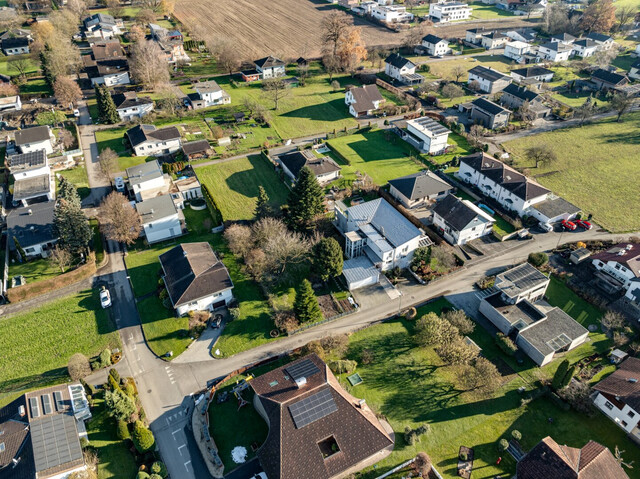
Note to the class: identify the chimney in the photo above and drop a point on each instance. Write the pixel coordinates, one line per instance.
(301, 382)
(21, 411)
(151, 211)
(362, 403)
(30, 211)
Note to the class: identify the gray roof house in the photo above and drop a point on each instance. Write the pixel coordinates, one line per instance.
(160, 218)
(522, 282)
(32, 226)
(514, 96)
(460, 221)
(488, 79)
(147, 140)
(34, 138)
(419, 188)
(324, 169)
(130, 106)
(489, 114)
(606, 80)
(195, 278)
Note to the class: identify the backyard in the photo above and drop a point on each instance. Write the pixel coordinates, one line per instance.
(444, 69)
(78, 176)
(598, 182)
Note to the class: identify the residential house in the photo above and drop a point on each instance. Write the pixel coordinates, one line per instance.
(32, 227)
(513, 190)
(584, 48)
(402, 70)
(40, 433)
(146, 140)
(189, 188)
(317, 430)
(435, 46)
(33, 180)
(419, 189)
(146, 180)
(448, 11)
(391, 13)
(364, 100)
(460, 221)
(564, 38)
(489, 114)
(493, 40)
(474, 35)
(510, 5)
(618, 267)
(605, 42)
(16, 33)
(379, 232)
(618, 396)
(532, 74)
(541, 331)
(515, 96)
(197, 149)
(129, 106)
(555, 51)
(171, 42)
(633, 294)
(516, 51)
(553, 209)
(110, 72)
(606, 80)
(488, 79)
(348, 3)
(425, 134)
(324, 169)
(37, 6)
(634, 72)
(102, 26)
(208, 94)
(160, 218)
(195, 278)
(526, 35)
(10, 103)
(270, 67)
(34, 138)
(106, 50)
(15, 46)
(550, 459)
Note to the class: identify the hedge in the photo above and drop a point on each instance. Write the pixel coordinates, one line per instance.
(213, 207)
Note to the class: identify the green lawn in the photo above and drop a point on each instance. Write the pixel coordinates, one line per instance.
(115, 459)
(6, 69)
(55, 331)
(379, 153)
(37, 86)
(597, 182)
(575, 100)
(33, 271)
(114, 139)
(462, 148)
(234, 186)
(78, 176)
(444, 69)
(162, 330)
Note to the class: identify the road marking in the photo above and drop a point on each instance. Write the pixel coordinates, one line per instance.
(176, 431)
(180, 447)
(186, 464)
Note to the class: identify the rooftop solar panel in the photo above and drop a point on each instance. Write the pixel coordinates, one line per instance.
(55, 441)
(59, 402)
(312, 408)
(303, 369)
(35, 408)
(46, 404)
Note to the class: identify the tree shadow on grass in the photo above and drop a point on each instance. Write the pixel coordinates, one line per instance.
(332, 110)
(630, 138)
(91, 302)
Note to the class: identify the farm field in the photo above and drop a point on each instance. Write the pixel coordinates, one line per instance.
(596, 169)
(234, 186)
(57, 330)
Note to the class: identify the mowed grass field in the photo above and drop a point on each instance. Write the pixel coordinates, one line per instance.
(444, 68)
(234, 186)
(597, 169)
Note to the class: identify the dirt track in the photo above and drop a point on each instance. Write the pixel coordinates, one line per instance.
(289, 28)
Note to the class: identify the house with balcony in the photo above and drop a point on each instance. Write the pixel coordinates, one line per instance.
(516, 96)
(402, 70)
(111, 72)
(32, 227)
(102, 26)
(391, 13)
(487, 79)
(474, 35)
(555, 51)
(460, 221)
(493, 40)
(516, 51)
(130, 106)
(10, 103)
(147, 140)
(208, 94)
(447, 11)
(618, 268)
(34, 138)
(424, 133)
(146, 180)
(435, 46)
(160, 218)
(270, 67)
(584, 48)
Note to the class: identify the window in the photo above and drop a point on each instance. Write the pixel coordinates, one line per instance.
(1, 446)
(631, 414)
(624, 423)
(29, 250)
(608, 405)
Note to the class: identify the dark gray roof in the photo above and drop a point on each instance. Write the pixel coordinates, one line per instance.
(27, 161)
(296, 160)
(557, 46)
(432, 39)
(563, 37)
(192, 271)
(141, 133)
(494, 35)
(586, 42)
(520, 279)
(488, 73)
(130, 100)
(197, 146)
(532, 72)
(31, 229)
(143, 172)
(17, 443)
(458, 214)
(598, 37)
(111, 66)
(365, 96)
(31, 187)
(520, 92)
(488, 106)
(398, 61)
(99, 18)
(420, 185)
(555, 206)
(269, 62)
(33, 134)
(624, 383)
(19, 42)
(609, 77)
(551, 334)
(156, 208)
(55, 442)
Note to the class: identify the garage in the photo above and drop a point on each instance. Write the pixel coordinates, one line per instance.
(553, 210)
(360, 272)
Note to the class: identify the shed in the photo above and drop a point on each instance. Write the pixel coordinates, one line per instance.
(617, 356)
(579, 255)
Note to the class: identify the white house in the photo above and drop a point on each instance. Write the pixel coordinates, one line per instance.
(102, 26)
(33, 180)
(325, 169)
(516, 51)
(419, 189)
(584, 48)
(129, 106)
(605, 42)
(619, 266)
(446, 11)
(195, 278)
(146, 177)
(364, 100)
(160, 218)
(171, 42)
(436, 46)
(493, 40)
(565, 38)
(555, 51)
(110, 72)
(33, 139)
(189, 188)
(32, 227)
(488, 79)
(391, 13)
(211, 94)
(474, 35)
(402, 70)
(617, 396)
(270, 67)
(146, 140)
(532, 73)
(523, 282)
(15, 46)
(496, 180)
(460, 221)
(427, 135)
(10, 103)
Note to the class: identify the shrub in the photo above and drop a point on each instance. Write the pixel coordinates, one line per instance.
(119, 405)
(314, 347)
(142, 437)
(464, 456)
(113, 384)
(163, 294)
(104, 359)
(505, 344)
(517, 435)
(115, 375)
(538, 259)
(160, 469)
(336, 345)
(460, 320)
(123, 430)
(155, 476)
(503, 444)
(486, 282)
(78, 366)
(343, 366)
(367, 356)
(234, 313)
(142, 475)
(411, 313)
(88, 388)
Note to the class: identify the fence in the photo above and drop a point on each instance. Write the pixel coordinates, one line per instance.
(405, 464)
(324, 321)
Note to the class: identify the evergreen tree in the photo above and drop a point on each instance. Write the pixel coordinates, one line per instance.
(327, 258)
(106, 106)
(142, 437)
(67, 191)
(563, 375)
(305, 306)
(263, 208)
(306, 201)
(71, 227)
(46, 71)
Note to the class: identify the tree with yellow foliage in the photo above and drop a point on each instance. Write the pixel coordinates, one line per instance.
(599, 17)
(351, 50)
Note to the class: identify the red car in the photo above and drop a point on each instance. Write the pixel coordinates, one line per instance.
(568, 225)
(584, 224)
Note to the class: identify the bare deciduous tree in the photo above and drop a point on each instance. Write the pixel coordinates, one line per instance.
(78, 7)
(66, 91)
(108, 163)
(115, 8)
(334, 26)
(275, 89)
(451, 91)
(19, 64)
(612, 320)
(60, 258)
(458, 72)
(541, 154)
(621, 102)
(227, 57)
(119, 221)
(422, 464)
(148, 64)
(239, 238)
(624, 15)
(585, 112)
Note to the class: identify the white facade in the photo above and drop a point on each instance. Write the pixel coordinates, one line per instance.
(394, 72)
(45, 145)
(584, 51)
(487, 85)
(16, 50)
(516, 50)
(616, 270)
(270, 72)
(545, 77)
(550, 54)
(633, 292)
(138, 111)
(634, 73)
(437, 49)
(112, 79)
(433, 142)
(391, 13)
(471, 232)
(212, 98)
(163, 228)
(206, 302)
(449, 11)
(157, 147)
(493, 42)
(626, 418)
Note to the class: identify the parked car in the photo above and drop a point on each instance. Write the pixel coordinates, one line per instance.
(119, 183)
(546, 227)
(105, 298)
(76, 113)
(584, 224)
(568, 225)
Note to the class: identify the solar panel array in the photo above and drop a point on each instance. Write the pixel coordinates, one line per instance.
(312, 408)
(432, 125)
(35, 408)
(303, 369)
(559, 342)
(57, 398)
(55, 441)
(46, 404)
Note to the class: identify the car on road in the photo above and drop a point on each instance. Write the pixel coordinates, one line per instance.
(76, 113)
(119, 183)
(568, 225)
(584, 224)
(105, 298)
